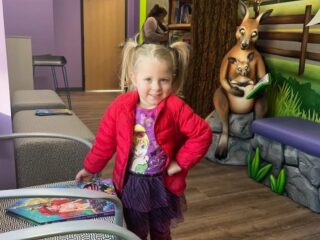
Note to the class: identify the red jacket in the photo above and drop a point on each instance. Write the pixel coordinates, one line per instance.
(181, 133)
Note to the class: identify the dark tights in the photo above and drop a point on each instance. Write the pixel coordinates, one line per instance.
(142, 223)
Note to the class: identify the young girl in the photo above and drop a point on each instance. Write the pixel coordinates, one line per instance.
(156, 136)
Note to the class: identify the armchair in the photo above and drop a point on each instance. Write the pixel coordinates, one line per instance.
(46, 157)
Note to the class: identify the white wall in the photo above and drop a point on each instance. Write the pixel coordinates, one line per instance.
(7, 169)
(19, 54)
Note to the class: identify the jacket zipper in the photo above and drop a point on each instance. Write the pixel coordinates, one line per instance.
(131, 123)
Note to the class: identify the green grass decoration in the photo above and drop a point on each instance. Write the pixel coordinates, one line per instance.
(287, 97)
(254, 170)
(278, 184)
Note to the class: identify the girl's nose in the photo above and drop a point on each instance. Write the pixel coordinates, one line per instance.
(155, 85)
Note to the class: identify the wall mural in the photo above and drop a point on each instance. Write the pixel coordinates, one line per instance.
(291, 51)
(274, 149)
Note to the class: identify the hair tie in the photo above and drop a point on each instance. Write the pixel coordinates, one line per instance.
(175, 51)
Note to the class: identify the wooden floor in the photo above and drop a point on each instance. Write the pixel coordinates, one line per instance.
(223, 203)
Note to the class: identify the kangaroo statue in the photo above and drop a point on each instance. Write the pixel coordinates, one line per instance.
(234, 85)
(242, 67)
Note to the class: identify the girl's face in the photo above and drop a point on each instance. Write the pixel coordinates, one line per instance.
(153, 80)
(161, 18)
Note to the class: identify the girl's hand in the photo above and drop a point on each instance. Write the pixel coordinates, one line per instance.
(173, 168)
(83, 174)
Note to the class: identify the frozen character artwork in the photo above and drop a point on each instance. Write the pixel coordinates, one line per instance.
(147, 157)
(139, 149)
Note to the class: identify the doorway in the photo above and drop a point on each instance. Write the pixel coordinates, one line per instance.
(103, 33)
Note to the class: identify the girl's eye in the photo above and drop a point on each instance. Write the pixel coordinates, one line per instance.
(147, 79)
(164, 80)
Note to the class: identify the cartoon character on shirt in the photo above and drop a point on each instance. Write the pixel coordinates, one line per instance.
(139, 150)
(157, 159)
(146, 120)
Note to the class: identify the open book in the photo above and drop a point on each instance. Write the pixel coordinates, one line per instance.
(263, 82)
(49, 210)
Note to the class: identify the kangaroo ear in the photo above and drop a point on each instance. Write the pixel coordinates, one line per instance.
(250, 56)
(263, 16)
(243, 10)
(232, 60)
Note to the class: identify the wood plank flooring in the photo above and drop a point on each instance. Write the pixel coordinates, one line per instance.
(223, 203)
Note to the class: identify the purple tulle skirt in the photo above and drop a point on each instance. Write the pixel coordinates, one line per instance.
(145, 194)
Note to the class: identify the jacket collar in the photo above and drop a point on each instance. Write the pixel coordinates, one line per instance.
(132, 99)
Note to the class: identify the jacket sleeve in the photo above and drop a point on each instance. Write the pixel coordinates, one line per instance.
(150, 31)
(105, 143)
(198, 138)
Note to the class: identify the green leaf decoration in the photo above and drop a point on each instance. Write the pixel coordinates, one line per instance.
(281, 181)
(262, 173)
(254, 170)
(255, 164)
(273, 183)
(278, 185)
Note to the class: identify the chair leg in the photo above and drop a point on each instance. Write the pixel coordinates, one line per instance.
(55, 81)
(66, 84)
(33, 72)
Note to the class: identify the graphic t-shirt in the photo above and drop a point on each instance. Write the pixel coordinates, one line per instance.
(146, 155)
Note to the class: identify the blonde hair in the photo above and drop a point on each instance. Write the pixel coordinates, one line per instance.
(176, 56)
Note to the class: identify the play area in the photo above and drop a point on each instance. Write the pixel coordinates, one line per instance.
(275, 131)
(160, 119)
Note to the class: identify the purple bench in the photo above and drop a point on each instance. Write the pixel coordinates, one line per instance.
(301, 134)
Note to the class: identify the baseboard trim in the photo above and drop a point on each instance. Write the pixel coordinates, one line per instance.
(73, 89)
(79, 89)
(106, 91)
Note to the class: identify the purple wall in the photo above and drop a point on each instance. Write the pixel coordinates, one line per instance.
(55, 28)
(31, 18)
(132, 17)
(67, 37)
(7, 169)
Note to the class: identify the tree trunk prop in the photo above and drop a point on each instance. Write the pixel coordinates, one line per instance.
(213, 34)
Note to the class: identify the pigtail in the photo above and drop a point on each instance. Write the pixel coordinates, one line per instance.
(127, 62)
(182, 53)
